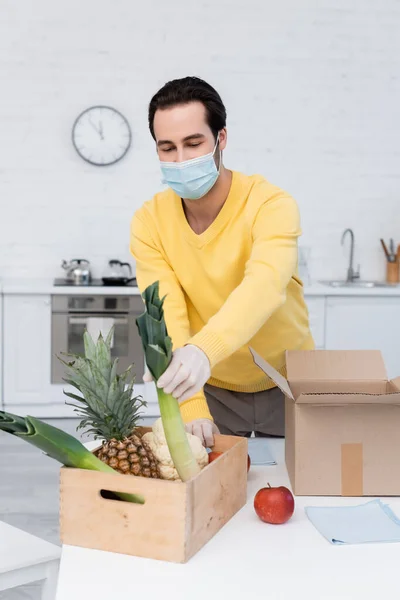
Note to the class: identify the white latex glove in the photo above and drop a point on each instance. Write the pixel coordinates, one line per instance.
(147, 376)
(186, 374)
(203, 429)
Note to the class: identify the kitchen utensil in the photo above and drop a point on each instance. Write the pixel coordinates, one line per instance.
(386, 251)
(118, 273)
(78, 271)
(390, 255)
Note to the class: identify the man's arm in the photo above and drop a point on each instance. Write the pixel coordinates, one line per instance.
(151, 266)
(262, 291)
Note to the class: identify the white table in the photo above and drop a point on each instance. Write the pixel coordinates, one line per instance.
(25, 558)
(246, 559)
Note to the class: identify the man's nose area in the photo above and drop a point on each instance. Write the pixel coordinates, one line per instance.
(180, 157)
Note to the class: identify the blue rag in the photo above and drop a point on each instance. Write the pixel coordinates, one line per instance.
(361, 524)
(259, 452)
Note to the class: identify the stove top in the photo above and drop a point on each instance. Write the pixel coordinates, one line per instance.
(93, 283)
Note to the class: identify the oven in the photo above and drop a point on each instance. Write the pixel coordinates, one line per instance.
(72, 314)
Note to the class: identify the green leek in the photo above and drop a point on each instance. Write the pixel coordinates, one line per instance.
(157, 346)
(59, 445)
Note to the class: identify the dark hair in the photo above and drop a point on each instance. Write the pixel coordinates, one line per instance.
(190, 89)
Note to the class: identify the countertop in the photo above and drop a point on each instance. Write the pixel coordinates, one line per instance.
(246, 559)
(46, 287)
(320, 289)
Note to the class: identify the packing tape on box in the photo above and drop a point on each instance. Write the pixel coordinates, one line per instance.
(352, 469)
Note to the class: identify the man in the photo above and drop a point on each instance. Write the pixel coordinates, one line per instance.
(223, 246)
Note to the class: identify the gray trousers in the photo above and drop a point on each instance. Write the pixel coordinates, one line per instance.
(241, 413)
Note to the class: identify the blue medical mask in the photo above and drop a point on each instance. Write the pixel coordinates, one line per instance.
(191, 179)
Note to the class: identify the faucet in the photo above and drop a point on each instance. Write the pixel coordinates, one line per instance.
(351, 274)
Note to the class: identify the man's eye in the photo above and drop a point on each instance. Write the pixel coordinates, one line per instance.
(168, 149)
(194, 145)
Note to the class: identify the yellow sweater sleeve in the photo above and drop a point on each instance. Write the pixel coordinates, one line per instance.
(262, 291)
(151, 266)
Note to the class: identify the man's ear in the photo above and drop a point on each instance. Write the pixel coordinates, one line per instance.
(223, 138)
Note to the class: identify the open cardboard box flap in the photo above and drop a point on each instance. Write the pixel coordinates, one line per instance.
(334, 377)
(333, 365)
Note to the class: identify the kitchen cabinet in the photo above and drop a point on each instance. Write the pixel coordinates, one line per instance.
(316, 312)
(26, 343)
(365, 323)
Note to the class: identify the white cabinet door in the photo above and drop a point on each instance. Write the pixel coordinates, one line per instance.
(316, 311)
(26, 348)
(359, 323)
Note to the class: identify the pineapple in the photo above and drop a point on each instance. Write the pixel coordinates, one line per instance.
(109, 409)
(129, 456)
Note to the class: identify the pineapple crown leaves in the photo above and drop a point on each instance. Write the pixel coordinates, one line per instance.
(157, 344)
(107, 404)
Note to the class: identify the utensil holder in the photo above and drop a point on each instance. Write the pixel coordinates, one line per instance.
(392, 272)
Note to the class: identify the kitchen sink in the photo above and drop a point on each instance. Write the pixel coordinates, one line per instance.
(352, 280)
(359, 283)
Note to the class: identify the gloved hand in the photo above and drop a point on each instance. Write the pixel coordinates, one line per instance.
(147, 376)
(186, 374)
(203, 429)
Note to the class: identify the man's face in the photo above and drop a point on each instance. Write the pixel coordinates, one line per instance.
(182, 133)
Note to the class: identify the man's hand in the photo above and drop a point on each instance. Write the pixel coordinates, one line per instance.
(203, 429)
(147, 376)
(186, 374)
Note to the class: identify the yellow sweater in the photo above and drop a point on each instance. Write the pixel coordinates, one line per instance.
(233, 286)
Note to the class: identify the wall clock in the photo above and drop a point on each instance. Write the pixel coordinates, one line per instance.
(101, 135)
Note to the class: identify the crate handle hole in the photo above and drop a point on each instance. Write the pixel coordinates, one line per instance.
(110, 495)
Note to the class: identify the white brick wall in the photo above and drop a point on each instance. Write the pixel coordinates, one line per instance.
(312, 91)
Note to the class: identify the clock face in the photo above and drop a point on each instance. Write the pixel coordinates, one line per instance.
(101, 135)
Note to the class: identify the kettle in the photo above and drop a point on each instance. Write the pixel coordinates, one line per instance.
(78, 272)
(117, 273)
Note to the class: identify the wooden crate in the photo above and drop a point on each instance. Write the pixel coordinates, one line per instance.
(177, 518)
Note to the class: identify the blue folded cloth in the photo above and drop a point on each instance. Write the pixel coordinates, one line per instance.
(259, 451)
(361, 524)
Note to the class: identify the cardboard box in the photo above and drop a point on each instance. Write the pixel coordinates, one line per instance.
(177, 518)
(342, 423)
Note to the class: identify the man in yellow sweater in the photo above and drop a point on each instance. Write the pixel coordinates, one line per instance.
(223, 246)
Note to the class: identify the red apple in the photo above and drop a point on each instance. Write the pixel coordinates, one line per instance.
(274, 504)
(214, 455)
